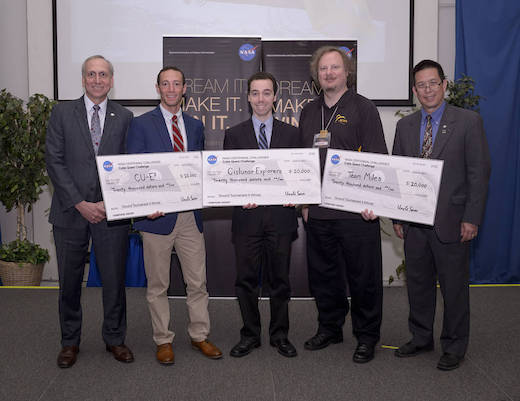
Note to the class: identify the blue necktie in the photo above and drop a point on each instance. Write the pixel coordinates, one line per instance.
(262, 138)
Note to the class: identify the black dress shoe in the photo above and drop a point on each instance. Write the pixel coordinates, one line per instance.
(449, 361)
(244, 347)
(67, 356)
(321, 340)
(284, 347)
(121, 353)
(410, 349)
(364, 353)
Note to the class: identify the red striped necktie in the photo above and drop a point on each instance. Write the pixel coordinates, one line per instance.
(178, 143)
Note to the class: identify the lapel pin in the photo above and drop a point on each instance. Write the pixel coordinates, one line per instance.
(112, 114)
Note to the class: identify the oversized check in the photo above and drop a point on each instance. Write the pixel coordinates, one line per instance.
(140, 184)
(264, 177)
(403, 188)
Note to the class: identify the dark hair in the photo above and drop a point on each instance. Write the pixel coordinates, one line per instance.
(422, 65)
(170, 67)
(262, 75)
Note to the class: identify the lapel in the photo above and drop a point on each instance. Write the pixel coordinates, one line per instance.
(276, 136)
(415, 134)
(444, 133)
(80, 115)
(250, 136)
(108, 128)
(190, 136)
(161, 129)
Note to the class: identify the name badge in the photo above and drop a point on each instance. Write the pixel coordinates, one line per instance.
(321, 140)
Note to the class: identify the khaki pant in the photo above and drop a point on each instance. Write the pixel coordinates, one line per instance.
(190, 248)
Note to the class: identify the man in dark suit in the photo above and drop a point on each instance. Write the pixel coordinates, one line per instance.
(77, 132)
(455, 135)
(168, 129)
(263, 234)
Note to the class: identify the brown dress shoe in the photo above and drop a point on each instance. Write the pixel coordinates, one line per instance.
(121, 353)
(208, 349)
(67, 356)
(165, 354)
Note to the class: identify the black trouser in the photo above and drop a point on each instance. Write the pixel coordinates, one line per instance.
(110, 245)
(428, 259)
(341, 252)
(267, 253)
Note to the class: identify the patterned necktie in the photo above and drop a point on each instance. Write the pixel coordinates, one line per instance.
(178, 143)
(262, 138)
(427, 146)
(95, 129)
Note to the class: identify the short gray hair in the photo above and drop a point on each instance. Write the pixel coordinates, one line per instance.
(84, 65)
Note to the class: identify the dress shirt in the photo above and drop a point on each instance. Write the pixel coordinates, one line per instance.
(102, 112)
(436, 120)
(180, 122)
(268, 128)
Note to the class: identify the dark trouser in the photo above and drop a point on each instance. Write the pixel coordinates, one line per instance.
(426, 260)
(272, 251)
(110, 245)
(346, 251)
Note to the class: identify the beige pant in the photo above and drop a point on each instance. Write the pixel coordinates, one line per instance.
(190, 248)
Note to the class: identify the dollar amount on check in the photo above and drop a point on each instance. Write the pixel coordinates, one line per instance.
(263, 177)
(137, 185)
(403, 188)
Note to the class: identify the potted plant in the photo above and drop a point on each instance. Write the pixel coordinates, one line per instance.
(23, 175)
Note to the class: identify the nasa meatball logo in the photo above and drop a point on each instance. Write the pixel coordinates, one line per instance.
(212, 159)
(247, 52)
(108, 166)
(334, 159)
(347, 51)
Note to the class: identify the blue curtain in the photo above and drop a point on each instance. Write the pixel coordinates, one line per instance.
(135, 275)
(488, 50)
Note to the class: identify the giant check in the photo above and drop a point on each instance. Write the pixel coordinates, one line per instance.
(403, 188)
(264, 177)
(140, 184)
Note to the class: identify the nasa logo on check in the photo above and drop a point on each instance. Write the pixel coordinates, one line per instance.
(108, 166)
(212, 159)
(334, 159)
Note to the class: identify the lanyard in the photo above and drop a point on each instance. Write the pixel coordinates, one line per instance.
(323, 118)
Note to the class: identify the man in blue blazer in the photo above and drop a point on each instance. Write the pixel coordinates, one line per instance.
(77, 132)
(456, 136)
(168, 129)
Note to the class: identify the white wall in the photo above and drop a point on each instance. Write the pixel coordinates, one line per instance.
(26, 67)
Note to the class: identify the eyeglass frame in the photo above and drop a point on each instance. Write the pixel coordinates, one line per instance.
(433, 85)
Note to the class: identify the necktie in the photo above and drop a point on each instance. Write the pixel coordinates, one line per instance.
(427, 146)
(178, 143)
(262, 138)
(95, 129)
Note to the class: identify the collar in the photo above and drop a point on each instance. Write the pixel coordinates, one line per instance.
(436, 115)
(256, 123)
(168, 115)
(89, 104)
(342, 100)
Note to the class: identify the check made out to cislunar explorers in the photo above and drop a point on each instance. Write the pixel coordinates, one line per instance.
(398, 187)
(136, 185)
(263, 177)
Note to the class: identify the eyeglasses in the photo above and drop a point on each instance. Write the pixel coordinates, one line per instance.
(433, 85)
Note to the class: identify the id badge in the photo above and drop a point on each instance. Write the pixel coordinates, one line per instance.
(321, 140)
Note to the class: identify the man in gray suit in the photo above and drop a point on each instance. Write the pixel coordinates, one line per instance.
(456, 136)
(78, 131)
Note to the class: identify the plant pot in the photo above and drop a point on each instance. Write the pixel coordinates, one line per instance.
(20, 274)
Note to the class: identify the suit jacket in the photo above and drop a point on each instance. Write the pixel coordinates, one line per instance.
(462, 144)
(70, 157)
(242, 136)
(148, 134)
